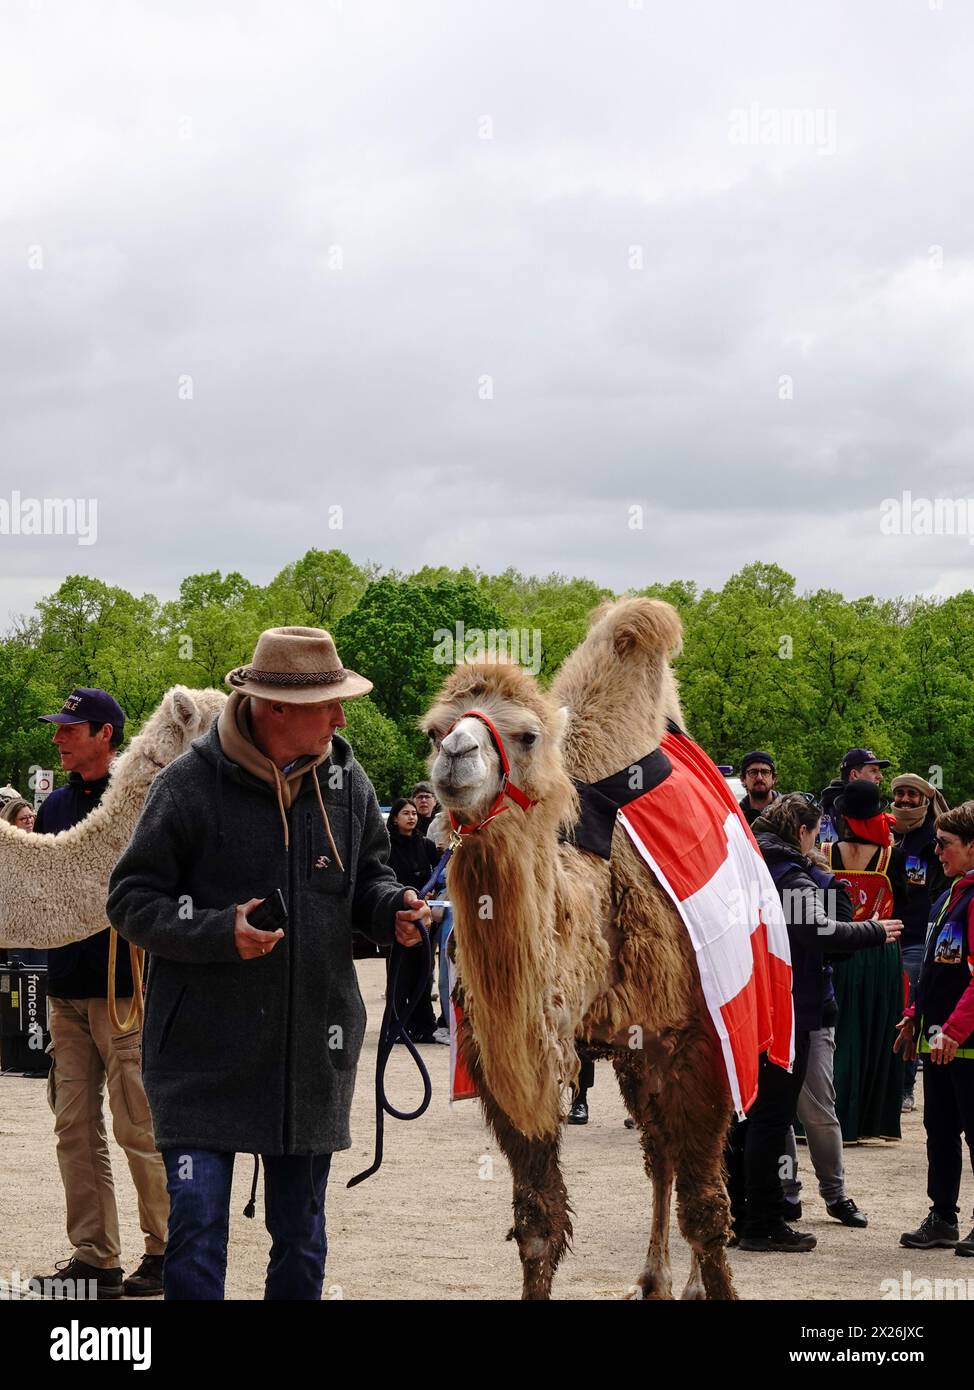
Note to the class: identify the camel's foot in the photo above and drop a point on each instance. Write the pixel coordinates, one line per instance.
(694, 1288)
(654, 1283)
(537, 1267)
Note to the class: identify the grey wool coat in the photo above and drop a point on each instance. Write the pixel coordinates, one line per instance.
(255, 1056)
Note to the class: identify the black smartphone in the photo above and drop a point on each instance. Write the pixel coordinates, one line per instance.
(270, 914)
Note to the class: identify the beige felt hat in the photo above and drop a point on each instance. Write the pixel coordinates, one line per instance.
(298, 665)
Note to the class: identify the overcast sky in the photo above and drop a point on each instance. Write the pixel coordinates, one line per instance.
(331, 223)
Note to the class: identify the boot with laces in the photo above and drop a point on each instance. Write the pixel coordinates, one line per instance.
(75, 1279)
(781, 1239)
(146, 1282)
(932, 1231)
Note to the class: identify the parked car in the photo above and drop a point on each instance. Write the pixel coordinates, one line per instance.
(735, 783)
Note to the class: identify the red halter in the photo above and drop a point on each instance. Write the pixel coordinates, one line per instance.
(507, 787)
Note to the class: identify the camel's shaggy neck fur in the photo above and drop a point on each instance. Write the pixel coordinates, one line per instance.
(506, 890)
(53, 887)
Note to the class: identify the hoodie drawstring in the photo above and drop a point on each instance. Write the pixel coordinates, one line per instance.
(251, 1206)
(278, 780)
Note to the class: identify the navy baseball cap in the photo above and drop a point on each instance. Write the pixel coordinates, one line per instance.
(859, 757)
(84, 704)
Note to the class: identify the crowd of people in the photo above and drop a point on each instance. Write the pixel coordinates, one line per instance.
(879, 906)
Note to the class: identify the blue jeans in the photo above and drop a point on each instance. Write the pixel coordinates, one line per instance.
(912, 960)
(199, 1181)
(443, 930)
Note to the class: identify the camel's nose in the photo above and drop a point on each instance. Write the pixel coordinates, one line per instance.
(458, 743)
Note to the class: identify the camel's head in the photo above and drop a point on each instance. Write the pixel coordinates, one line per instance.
(181, 716)
(465, 766)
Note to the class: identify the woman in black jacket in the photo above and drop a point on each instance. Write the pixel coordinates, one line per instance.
(412, 858)
(786, 834)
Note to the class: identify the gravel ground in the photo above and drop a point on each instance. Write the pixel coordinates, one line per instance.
(432, 1223)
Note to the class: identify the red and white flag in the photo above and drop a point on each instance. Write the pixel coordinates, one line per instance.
(461, 1082)
(691, 832)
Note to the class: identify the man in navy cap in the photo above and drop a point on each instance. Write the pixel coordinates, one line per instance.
(861, 764)
(858, 765)
(88, 730)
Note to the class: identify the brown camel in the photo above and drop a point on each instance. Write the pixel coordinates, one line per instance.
(555, 945)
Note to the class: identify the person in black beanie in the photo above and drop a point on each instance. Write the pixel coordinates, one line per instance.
(412, 858)
(759, 774)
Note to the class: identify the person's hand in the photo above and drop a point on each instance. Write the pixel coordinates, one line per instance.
(251, 941)
(905, 1040)
(413, 910)
(893, 928)
(943, 1049)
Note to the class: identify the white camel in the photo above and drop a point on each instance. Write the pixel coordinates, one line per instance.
(53, 887)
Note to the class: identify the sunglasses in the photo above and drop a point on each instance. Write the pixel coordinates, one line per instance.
(813, 802)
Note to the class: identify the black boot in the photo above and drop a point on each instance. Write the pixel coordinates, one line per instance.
(75, 1279)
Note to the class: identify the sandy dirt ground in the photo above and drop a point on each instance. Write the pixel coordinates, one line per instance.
(431, 1224)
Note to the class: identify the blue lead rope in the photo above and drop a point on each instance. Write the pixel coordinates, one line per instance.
(392, 1028)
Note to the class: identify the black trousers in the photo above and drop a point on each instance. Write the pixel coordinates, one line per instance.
(756, 1147)
(586, 1072)
(948, 1112)
(415, 981)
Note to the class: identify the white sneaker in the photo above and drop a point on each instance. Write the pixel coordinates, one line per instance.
(442, 1035)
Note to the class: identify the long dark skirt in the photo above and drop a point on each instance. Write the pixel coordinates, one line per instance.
(868, 1074)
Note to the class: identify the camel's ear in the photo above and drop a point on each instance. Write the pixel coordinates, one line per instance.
(562, 720)
(184, 709)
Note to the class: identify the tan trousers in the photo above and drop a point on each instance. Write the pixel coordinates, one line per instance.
(86, 1051)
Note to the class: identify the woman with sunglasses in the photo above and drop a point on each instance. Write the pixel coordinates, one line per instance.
(786, 833)
(941, 1017)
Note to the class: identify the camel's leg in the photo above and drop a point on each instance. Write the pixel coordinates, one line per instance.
(655, 1280)
(694, 1288)
(542, 1215)
(694, 1108)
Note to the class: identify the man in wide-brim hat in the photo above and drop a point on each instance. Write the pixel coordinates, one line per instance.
(252, 1037)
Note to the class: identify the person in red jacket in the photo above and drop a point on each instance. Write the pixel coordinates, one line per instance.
(940, 1025)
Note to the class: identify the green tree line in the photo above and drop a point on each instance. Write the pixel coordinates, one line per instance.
(802, 675)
